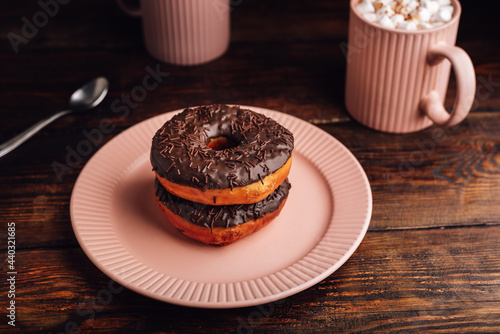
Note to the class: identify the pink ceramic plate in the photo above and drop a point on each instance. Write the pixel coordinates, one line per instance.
(119, 226)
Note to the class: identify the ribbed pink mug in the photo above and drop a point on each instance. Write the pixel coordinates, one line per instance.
(184, 32)
(396, 79)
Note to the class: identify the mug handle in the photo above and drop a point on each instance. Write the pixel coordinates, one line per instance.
(465, 76)
(128, 10)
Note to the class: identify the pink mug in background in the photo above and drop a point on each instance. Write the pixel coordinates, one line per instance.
(183, 32)
(396, 80)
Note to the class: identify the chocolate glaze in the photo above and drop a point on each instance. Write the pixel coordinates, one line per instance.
(210, 216)
(180, 154)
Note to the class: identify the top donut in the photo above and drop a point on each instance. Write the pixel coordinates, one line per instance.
(220, 147)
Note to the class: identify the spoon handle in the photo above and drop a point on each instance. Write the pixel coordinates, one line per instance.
(17, 140)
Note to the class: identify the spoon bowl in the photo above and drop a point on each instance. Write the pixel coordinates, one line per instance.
(89, 95)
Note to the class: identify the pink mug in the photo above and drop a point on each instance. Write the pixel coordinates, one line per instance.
(184, 32)
(396, 80)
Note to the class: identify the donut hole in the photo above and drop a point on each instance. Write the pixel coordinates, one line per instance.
(221, 143)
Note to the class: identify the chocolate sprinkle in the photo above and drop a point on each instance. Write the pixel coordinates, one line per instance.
(181, 155)
(210, 216)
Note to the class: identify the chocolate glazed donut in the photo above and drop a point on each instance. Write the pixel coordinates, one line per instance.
(221, 155)
(220, 225)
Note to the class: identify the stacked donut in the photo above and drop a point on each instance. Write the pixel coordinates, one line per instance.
(221, 171)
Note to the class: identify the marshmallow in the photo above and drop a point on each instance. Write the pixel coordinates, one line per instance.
(407, 14)
(431, 5)
(385, 21)
(365, 7)
(397, 19)
(384, 11)
(403, 2)
(412, 5)
(407, 25)
(372, 17)
(444, 2)
(443, 15)
(447, 8)
(424, 25)
(423, 14)
(403, 10)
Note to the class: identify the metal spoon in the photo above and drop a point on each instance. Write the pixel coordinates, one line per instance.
(85, 98)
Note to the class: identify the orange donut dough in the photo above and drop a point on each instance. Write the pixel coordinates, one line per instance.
(220, 225)
(248, 194)
(219, 236)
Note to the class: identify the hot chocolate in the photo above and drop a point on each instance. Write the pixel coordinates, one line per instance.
(406, 14)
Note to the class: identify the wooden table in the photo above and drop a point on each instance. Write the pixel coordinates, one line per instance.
(430, 261)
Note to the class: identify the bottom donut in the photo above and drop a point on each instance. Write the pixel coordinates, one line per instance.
(220, 225)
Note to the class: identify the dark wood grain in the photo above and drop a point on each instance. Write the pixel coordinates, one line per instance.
(430, 262)
(453, 175)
